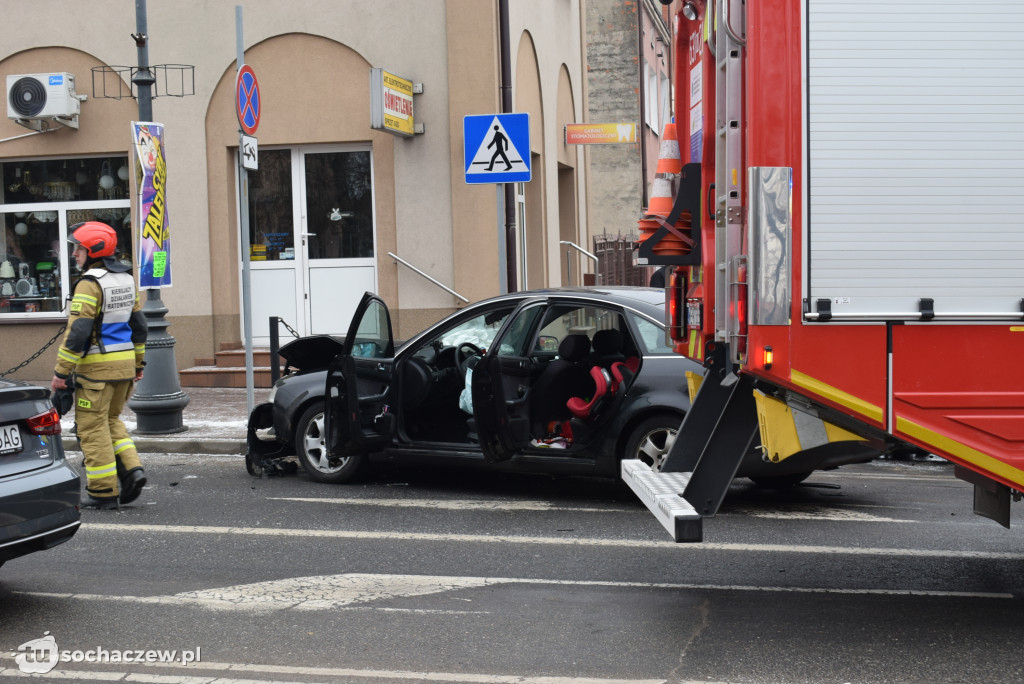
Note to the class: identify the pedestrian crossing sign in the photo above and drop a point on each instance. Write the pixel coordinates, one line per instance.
(497, 148)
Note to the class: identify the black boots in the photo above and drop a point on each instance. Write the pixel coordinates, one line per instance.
(100, 504)
(132, 483)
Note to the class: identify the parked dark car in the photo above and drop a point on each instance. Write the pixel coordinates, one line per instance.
(562, 381)
(39, 491)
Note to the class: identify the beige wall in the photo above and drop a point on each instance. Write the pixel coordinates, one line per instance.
(312, 58)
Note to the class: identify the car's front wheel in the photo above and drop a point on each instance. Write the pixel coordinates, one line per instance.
(311, 447)
(653, 438)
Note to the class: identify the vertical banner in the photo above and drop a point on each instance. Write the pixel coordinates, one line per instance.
(154, 264)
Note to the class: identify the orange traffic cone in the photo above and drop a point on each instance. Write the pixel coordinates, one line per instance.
(669, 161)
(660, 202)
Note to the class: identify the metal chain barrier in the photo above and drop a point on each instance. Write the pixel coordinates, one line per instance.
(288, 327)
(35, 356)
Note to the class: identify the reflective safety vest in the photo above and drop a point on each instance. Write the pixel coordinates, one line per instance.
(113, 333)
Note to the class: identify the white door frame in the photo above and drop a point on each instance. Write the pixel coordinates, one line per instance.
(285, 288)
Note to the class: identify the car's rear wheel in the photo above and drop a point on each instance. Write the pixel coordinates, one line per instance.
(311, 447)
(652, 439)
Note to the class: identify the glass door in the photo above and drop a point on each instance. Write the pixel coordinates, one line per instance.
(274, 262)
(338, 235)
(312, 238)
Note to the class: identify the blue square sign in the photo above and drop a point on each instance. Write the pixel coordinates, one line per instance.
(497, 148)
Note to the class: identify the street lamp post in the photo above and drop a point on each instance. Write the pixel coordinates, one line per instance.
(158, 401)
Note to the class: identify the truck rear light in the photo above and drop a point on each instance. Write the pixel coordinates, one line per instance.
(768, 358)
(738, 308)
(45, 423)
(675, 308)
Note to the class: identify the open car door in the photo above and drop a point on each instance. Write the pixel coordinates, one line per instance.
(501, 382)
(358, 417)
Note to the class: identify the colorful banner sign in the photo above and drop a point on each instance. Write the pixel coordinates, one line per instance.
(600, 133)
(154, 264)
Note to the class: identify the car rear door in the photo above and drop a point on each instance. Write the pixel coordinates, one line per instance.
(501, 382)
(360, 384)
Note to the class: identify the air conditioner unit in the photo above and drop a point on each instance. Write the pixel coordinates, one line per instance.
(35, 99)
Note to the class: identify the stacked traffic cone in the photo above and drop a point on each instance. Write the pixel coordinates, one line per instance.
(661, 196)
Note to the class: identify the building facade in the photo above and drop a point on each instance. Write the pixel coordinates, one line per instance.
(336, 207)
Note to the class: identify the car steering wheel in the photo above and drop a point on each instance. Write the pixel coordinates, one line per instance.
(463, 353)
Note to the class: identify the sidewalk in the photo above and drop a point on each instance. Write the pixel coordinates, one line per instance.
(215, 419)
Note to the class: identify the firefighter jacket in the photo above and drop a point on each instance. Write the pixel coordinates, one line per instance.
(106, 335)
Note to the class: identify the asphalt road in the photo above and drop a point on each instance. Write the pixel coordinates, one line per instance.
(877, 573)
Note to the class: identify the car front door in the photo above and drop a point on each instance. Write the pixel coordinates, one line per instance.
(360, 384)
(501, 382)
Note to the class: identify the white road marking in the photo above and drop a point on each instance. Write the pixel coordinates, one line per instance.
(455, 504)
(812, 512)
(330, 674)
(840, 475)
(339, 592)
(549, 541)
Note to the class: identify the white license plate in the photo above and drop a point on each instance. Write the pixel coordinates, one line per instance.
(693, 317)
(10, 439)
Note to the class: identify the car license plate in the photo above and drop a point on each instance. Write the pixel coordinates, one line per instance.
(693, 315)
(10, 439)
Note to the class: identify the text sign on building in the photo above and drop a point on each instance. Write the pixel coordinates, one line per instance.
(391, 103)
(497, 148)
(599, 133)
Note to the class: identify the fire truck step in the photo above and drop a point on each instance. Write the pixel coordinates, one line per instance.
(662, 493)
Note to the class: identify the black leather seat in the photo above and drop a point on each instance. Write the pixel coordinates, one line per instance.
(607, 348)
(564, 377)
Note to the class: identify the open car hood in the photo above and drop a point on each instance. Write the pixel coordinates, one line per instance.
(313, 352)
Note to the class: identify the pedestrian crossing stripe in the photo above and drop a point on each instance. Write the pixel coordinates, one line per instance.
(500, 148)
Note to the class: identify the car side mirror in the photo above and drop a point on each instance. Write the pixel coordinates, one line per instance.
(547, 343)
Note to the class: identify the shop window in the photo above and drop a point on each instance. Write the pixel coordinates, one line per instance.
(39, 201)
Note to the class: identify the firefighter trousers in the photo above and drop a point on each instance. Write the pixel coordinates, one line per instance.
(105, 442)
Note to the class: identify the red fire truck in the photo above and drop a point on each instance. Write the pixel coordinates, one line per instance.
(847, 237)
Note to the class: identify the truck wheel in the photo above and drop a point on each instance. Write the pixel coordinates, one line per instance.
(311, 447)
(652, 439)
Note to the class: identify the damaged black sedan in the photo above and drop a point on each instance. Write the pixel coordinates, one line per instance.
(563, 381)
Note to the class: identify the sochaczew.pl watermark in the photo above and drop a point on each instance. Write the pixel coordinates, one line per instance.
(39, 656)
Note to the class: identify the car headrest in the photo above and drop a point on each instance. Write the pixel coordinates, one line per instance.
(607, 342)
(574, 347)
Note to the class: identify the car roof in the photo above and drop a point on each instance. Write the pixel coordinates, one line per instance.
(648, 300)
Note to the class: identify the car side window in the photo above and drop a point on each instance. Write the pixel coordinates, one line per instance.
(652, 335)
(373, 335)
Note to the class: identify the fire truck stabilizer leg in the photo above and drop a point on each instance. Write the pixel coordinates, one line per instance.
(698, 425)
(729, 440)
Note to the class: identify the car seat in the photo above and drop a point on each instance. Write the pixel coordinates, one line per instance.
(607, 348)
(563, 378)
(608, 383)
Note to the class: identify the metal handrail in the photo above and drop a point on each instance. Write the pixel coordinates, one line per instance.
(433, 280)
(579, 249)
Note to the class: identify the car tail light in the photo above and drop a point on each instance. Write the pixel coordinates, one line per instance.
(45, 423)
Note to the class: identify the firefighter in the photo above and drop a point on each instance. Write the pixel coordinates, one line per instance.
(103, 352)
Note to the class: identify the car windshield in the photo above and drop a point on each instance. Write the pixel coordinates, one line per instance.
(479, 330)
